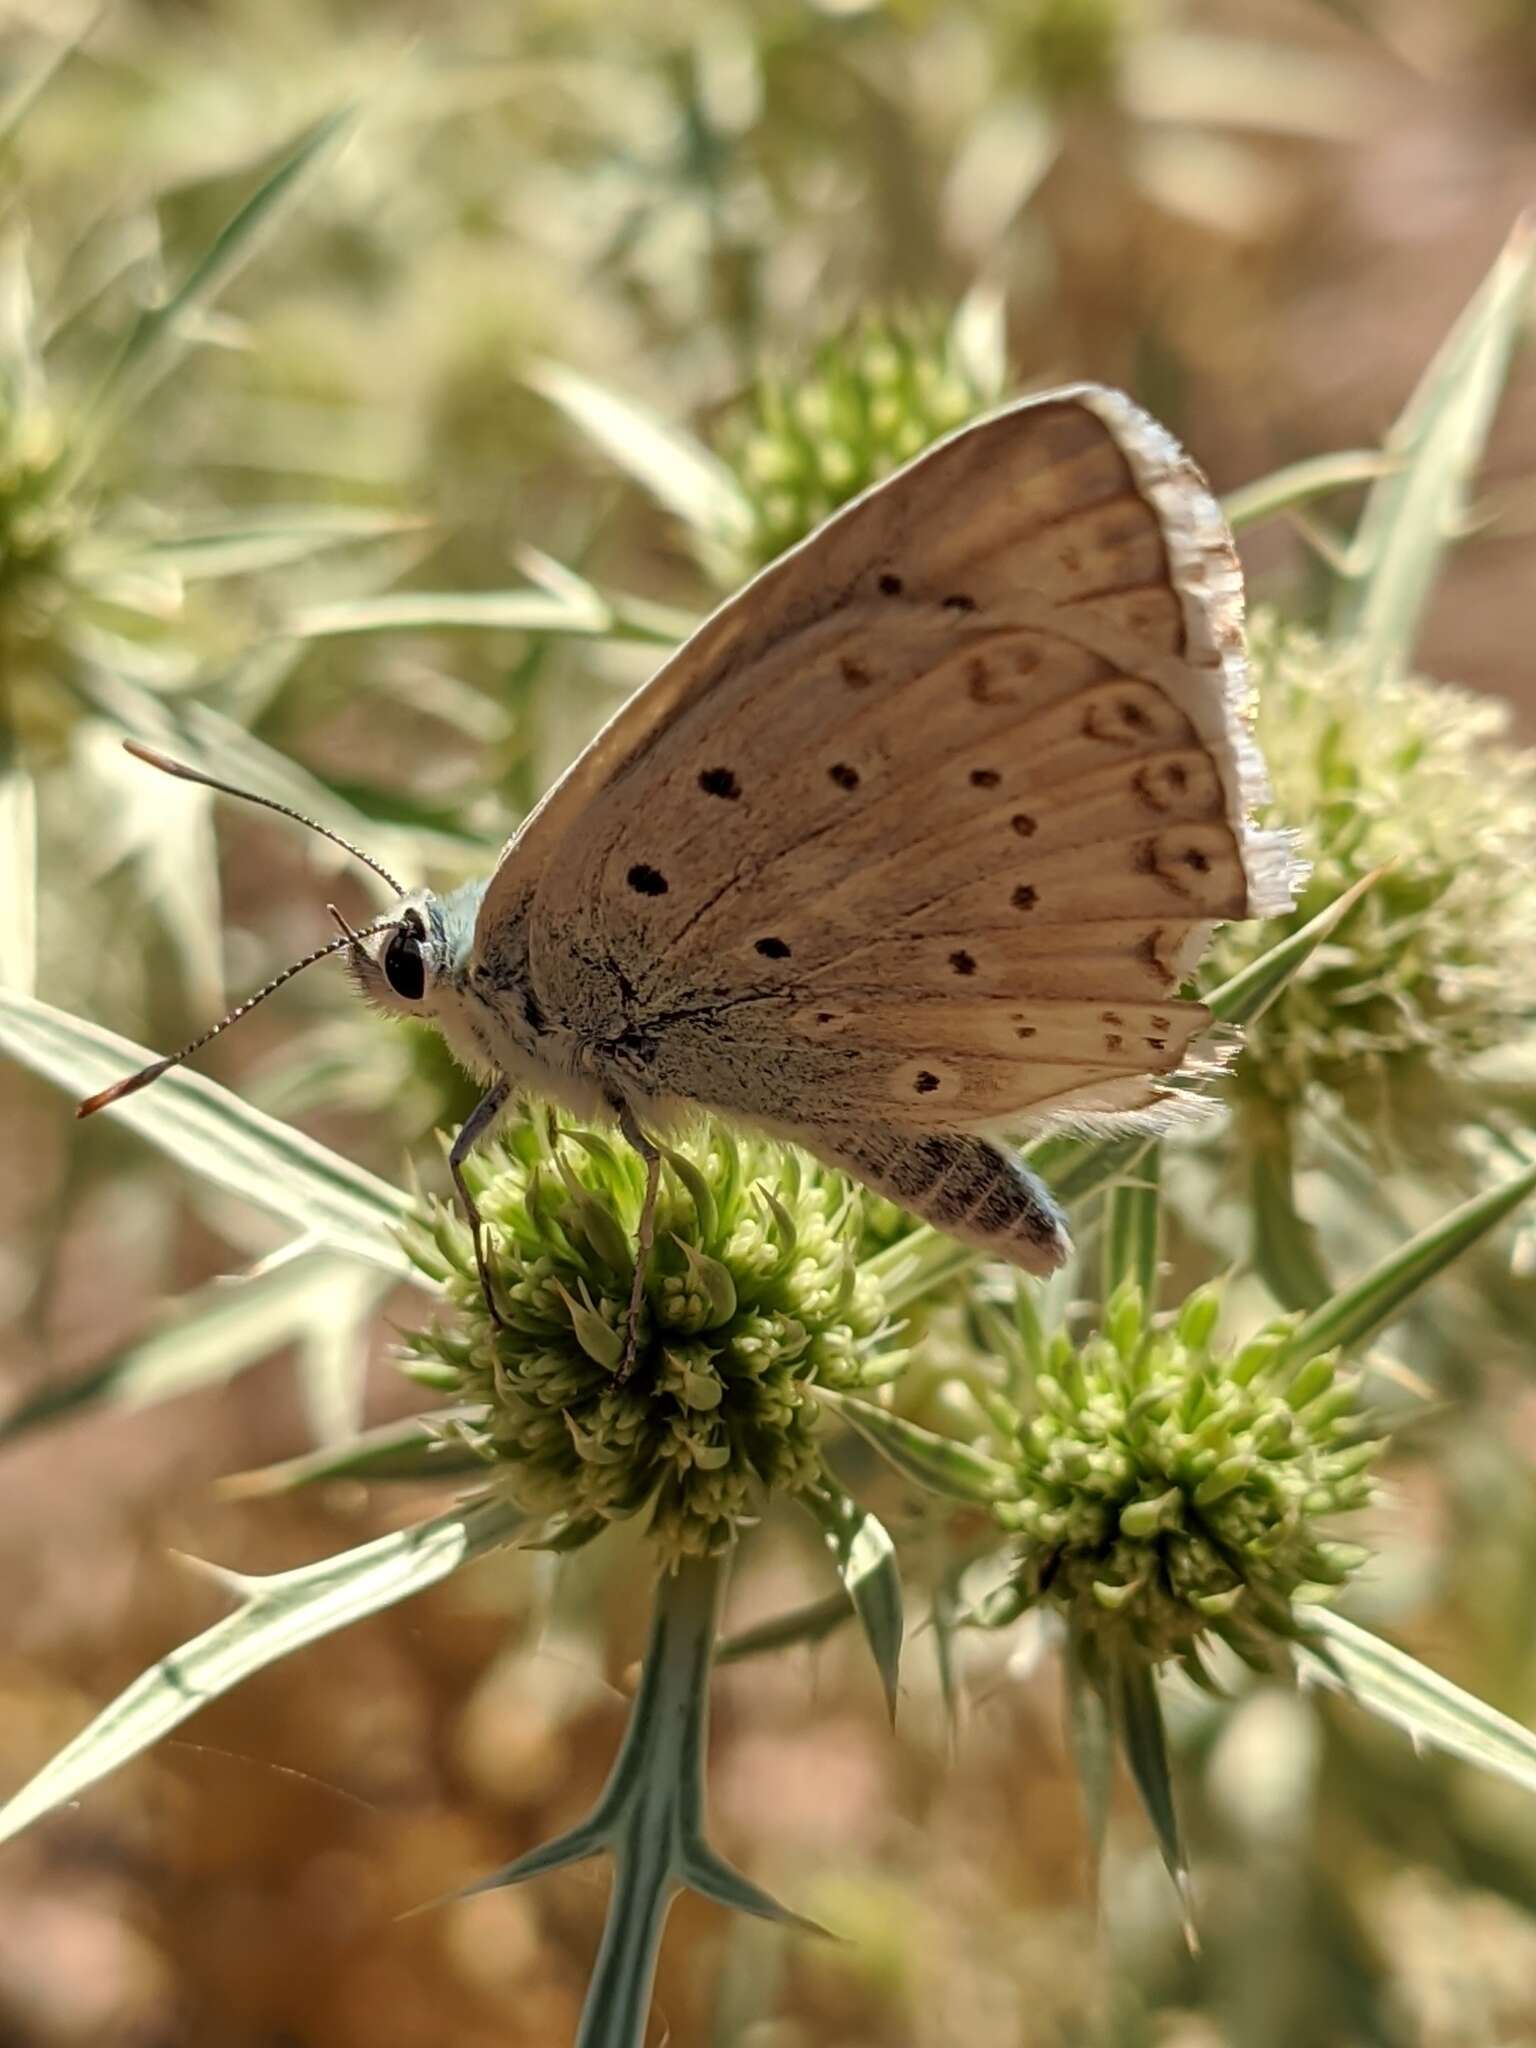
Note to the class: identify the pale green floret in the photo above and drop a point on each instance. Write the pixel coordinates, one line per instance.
(1170, 1491)
(36, 525)
(1437, 964)
(1072, 50)
(754, 1295)
(803, 444)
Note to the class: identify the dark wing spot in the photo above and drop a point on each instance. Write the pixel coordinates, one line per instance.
(1024, 897)
(719, 782)
(1200, 862)
(979, 686)
(962, 962)
(1025, 1031)
(1158, 1044)
(891, 586)
(957, 601)
(773, 949)
(985, 778)
(844, 776)
(1113, 1041)
(824, 1016)
(1110, 1017)
(925, 1083)
(1023, 824)
(854, 673)
(646, 881)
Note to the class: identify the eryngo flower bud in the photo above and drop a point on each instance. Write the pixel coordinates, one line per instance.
(1173, 1488)
(755, 1293)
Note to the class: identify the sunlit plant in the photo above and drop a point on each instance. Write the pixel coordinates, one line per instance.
(1161, 1482)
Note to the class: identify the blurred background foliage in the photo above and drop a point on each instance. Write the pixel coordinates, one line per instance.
(345, 351)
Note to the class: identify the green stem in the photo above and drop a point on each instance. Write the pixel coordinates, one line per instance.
(1285, 1248)
(653, 1802)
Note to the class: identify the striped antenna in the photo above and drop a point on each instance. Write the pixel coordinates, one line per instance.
(185, 774)
(134, 1082)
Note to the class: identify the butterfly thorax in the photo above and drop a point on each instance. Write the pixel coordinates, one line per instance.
(500, 1023)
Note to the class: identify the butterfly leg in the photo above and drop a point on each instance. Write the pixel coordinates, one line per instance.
(645, 1234)
(471, 1131)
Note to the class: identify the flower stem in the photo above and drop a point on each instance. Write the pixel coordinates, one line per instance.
(654, 1801)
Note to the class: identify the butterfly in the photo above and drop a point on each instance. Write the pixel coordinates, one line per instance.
(909, 849)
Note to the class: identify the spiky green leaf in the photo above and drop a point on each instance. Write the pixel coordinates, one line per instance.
(865, 1558)
(1428, 1708)
(1138, 1717)
(935, 1462)
(213, 1133)
(276, 1616)
(678, 471)
(1299, 483)
(1413, 513)
(1357, 1311)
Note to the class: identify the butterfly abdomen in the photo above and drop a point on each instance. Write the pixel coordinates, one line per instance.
(966, 1186)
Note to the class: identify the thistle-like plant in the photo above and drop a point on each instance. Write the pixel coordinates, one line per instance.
(755, 1296)
(1157, 1488)
(1160, 1491)
(1173, 1491)
(1421, 785)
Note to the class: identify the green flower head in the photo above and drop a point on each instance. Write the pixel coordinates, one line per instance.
(754, 1295)
(802, 444)
(35, 526)
(1170, 1491)
(1438, 962)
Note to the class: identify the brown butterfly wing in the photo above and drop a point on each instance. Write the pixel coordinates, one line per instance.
(924, 829)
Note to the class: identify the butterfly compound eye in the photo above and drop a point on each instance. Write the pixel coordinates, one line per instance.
(404, 968)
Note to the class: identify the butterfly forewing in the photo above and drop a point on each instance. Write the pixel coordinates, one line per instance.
(923, 830)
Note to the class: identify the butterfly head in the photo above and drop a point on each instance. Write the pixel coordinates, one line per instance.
(414, 966)
(411, 961)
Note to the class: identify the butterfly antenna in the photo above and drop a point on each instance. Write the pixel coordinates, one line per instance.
(185, 774)
(142, 1079)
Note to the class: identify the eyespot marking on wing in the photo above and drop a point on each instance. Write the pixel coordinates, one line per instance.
(646, 881)
(985, 778)
(1024, 897)
(773, 949)
(720, 782)
(980, 686)
(891, 585)
(962, 962)
(844, 775)
(1022, 823)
